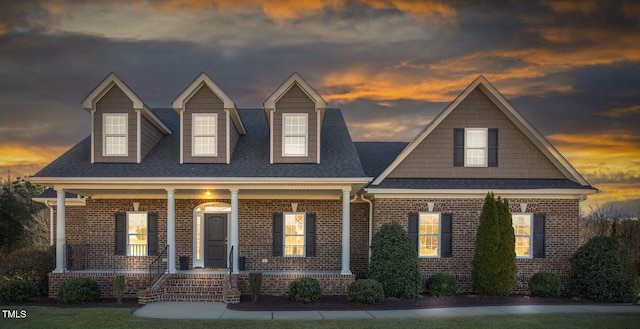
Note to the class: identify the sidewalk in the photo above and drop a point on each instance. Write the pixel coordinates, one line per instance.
(210, 310)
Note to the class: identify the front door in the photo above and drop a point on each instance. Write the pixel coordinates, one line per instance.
(215, 240)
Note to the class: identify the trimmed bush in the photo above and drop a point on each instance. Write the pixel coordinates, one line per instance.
(545, 284)
(366, 291)
(305, 290)
(255, 285)
(78, 290)
(441, 284)
(603, 271)
(18, 291)
(119, 287)
(29, 265)
(394, 262)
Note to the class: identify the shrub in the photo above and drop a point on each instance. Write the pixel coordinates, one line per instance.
(305, 290)
(441, 284)
(366, 291)
(29, 265)
(394, 262)
(119, 287)
(545, 284)
(255, 285)
(603, 271)
(18, 291)
(78, 290)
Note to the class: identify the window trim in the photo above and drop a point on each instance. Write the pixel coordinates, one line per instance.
(439, 234)
(285, 135)
(214, 135)
(128, 251)
(105, 135)
(467, 147)
(530, 236)
(284, 234)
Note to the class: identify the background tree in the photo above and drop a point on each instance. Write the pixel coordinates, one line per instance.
(17, 211)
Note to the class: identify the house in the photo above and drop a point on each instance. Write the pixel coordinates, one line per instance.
(185, 202)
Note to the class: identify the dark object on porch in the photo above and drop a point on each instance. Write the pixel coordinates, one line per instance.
(184, 263)
(241, 262)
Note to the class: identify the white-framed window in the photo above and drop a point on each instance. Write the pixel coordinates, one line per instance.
(522, 228)
(205, 127)
(429, 235)
(294, 134)
(115, 127)
(475, 147)
(137, 234)
(294, 234)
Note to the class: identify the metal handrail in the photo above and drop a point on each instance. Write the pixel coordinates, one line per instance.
(155, 269)
(230, 268)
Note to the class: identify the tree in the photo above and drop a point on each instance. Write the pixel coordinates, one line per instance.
(394, 262)
(17, 210)
(494, 270)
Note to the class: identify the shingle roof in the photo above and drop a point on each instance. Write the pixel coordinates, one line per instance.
(377, 156)
(250, 158)
(478, 183)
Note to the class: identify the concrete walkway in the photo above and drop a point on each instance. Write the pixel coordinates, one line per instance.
(210, 310)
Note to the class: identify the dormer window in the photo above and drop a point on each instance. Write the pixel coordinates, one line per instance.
(115, 134)
(294, 133)
(205, 134)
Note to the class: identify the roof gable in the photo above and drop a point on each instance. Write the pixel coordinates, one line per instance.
(294, 79)
(536, 138)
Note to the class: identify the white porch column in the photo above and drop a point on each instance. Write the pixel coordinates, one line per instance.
(233, 229)
(171, 230)
(60, 233)
(346, 231)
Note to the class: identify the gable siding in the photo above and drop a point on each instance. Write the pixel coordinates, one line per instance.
(150, 136)
(204, 101)
(295, 100)
(518, 156)
(115, 101)
(235, 137)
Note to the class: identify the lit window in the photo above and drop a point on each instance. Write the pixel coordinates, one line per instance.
(429, 235)
(294, 244)
(115, 134)
(475, 147)
(137, 234)
(294, 134)
(522, 231)
(204, 134)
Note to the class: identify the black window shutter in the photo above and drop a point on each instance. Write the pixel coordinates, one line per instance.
(310, 235)
(446, 237)
(121, 233)
(152, 234)
(493, 147)
(414, 219)
(458, 147)
(538, 235)
(278, 226)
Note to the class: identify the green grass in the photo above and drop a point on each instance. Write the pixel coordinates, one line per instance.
(52, 317)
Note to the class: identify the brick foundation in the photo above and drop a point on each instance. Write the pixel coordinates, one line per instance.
(134, 282)
(277, 284)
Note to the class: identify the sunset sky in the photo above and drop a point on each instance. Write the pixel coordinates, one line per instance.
(572, 68)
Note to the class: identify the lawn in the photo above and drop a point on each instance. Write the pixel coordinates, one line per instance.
(53, 317)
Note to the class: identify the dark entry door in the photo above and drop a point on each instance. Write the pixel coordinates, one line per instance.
(215, 240)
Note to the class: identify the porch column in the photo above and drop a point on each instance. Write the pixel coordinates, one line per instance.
(233, 229)
(171, 230)
(60, 232)
(346, 231)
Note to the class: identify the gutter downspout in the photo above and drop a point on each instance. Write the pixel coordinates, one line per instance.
(370, 221)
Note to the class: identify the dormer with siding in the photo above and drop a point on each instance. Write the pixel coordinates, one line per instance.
(123, 128)
(210, 126)
(295, 112)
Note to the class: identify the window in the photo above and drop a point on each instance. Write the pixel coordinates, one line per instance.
(429, 235)
(475, 147)
(204, 134)
(475, 152)
(115, 134)
(137, 233)
(294, 228)
(522, 230)
(294, 132)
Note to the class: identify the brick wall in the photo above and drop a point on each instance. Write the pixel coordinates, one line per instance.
(561, 239)
(277, 284)
(133, 282)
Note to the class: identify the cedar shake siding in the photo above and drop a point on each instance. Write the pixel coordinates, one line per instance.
(115, 101)
(295, 100)
(517, 156)
(205, 101)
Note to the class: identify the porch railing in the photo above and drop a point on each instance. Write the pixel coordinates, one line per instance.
(158, 267)
(231, 268)
(102, 257)
(261, 258)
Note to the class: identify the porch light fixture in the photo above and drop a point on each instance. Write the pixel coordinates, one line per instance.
(523, 207)
(136, 206)
(294, 206)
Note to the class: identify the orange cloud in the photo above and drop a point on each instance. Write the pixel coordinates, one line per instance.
(619, 112)
(19, 157)
(584, 6)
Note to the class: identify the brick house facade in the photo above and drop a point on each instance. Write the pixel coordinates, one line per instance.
(205, 193)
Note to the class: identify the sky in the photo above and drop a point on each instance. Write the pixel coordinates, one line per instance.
(572, 68)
